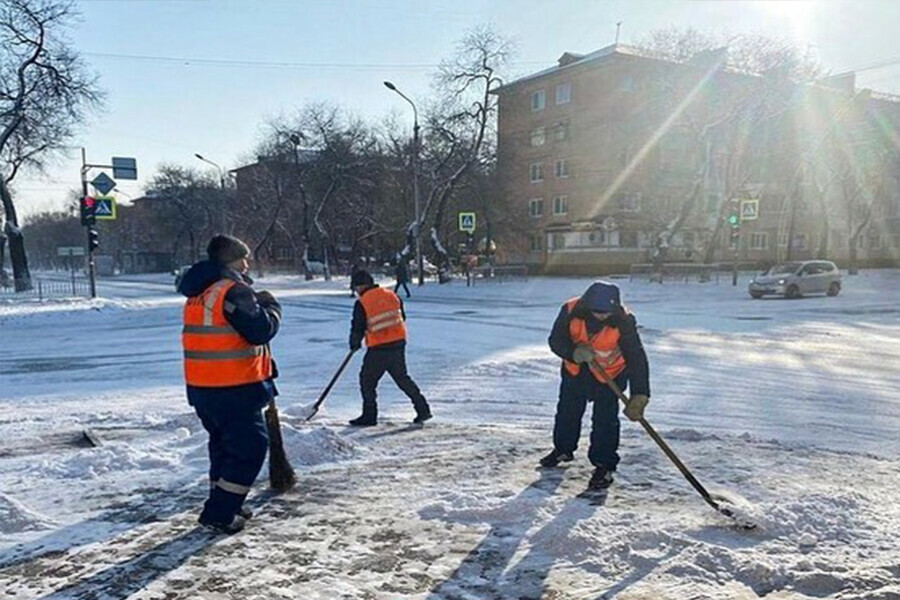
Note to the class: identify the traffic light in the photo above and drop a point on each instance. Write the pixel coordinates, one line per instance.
(734, 213)
(93, 240)
(88, 208)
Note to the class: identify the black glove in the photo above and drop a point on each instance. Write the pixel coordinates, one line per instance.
(265, 298)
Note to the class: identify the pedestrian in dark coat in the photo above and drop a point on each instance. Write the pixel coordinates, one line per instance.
(379, 318)
(401, 272)
(229, 373)
(595, 332)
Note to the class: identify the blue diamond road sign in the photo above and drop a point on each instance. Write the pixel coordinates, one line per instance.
(103, 183)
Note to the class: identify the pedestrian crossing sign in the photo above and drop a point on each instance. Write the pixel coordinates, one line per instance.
(749, 210)
(105, 208)
(467, 222)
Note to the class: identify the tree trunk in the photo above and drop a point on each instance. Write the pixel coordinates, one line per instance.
(17, 255)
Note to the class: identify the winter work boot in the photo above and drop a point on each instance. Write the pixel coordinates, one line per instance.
(554, 458)
(245, 513)
(364, 420)
(422, 416)
(236, 525)
(601, 479)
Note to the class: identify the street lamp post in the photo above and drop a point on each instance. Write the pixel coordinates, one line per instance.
(222, 185)
(218, 168)
(415, 161)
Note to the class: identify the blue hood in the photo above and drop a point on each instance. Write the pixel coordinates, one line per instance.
(602, 296)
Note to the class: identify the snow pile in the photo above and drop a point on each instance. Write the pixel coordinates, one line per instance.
(318, 446)
(16, 517)
(112, 458)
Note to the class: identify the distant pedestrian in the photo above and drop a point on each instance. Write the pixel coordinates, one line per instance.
(401, 272)
(378, 317)
(229, 373)
(594, 332)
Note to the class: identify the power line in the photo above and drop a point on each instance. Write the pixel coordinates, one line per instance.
(222, 62)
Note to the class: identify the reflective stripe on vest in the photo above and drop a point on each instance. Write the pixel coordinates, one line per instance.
(607, 354)
(384, 318)
(215, 354)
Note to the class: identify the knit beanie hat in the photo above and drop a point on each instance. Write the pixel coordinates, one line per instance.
(224, 249)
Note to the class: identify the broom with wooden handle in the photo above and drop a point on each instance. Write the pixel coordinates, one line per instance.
(281, 473)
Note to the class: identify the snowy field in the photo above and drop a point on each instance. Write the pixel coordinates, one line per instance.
(793, 405)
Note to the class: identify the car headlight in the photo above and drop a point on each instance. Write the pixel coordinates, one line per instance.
(781, 282)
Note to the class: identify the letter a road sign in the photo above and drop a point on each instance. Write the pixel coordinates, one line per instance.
(105, 208)
(467, 222)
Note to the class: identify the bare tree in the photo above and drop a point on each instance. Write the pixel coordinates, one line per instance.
(45, 92)
(461, 130)
(188, 206)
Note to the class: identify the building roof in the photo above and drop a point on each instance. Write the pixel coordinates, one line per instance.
(570, 59)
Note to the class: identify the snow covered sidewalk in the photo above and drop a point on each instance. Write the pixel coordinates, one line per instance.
(460, 512)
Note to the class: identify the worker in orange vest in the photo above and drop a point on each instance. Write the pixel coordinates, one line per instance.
(229, 373)
(378, 317)
(593, 332)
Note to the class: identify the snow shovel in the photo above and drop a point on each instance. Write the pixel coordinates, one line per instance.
(310, 411)
(724, 510)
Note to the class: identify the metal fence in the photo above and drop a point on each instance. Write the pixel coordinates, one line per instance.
(675, 272)
(498, 273)
(47, 289)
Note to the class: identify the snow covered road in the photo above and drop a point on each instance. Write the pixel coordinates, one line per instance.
(793, 404)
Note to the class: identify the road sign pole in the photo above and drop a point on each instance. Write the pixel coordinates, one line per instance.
(90, 251)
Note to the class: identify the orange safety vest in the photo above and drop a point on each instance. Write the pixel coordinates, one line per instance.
(215, 354)
(605, 342)
(384, 317)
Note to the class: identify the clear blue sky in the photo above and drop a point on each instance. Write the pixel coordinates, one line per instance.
(340, 50)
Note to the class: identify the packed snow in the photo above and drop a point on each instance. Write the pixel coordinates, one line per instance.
(787, 410)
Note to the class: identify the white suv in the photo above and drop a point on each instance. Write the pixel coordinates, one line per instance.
(794, 279)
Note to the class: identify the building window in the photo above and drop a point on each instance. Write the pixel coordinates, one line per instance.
(538, 137)
(535, 243)
(875, 242)
(562, 168)
(561, 205)
(564, 93)
(285, 253)
(536, 172)
(630, 202)
(799, 241)
(557, 241)
(759, 241)
(536, 207)
(538, 100)
(561, 131)
(782, 240)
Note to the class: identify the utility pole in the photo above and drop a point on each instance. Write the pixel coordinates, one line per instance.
(91, 235)
(618, 27)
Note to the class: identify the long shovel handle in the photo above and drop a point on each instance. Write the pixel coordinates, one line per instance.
(330, 385)
(661, 443)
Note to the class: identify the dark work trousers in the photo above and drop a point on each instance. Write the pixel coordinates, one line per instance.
(574, 394)
(405, 287)
(238, 441)
(393, 361)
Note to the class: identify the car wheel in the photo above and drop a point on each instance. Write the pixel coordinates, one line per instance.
(756, 295)
(834, 289)
(792, 292)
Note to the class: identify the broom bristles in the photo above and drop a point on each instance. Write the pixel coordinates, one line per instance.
(281, 474)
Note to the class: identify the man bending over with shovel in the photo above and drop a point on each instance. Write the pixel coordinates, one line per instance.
(590, 333)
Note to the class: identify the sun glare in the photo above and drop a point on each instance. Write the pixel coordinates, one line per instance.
(794, 16)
